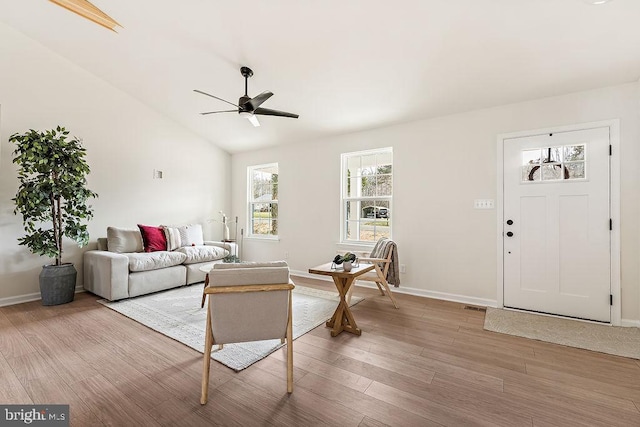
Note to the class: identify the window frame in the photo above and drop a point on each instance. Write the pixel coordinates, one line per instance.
(345, 198)
(251, 202)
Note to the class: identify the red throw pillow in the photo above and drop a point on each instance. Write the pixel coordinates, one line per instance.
(153, 238)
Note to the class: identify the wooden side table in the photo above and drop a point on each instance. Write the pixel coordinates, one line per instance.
(342, 319)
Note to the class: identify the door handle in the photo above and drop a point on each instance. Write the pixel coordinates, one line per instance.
(509, 234)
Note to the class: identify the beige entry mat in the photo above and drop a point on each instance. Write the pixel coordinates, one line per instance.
(614, 340)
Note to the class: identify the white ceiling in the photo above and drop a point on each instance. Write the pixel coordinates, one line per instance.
(342, 65)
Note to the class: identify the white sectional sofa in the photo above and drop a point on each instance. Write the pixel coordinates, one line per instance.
(120, 268)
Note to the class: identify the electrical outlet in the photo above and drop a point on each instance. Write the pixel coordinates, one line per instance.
(286, 255)
(403, 268)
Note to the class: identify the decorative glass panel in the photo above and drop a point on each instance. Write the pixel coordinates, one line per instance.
(573, 153)
(554, 163)
(576, 170)
(551, 172)
(530, 157)
(531, 173)
(551, 155)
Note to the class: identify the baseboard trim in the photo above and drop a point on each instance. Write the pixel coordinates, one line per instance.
(630, 323)
(463, 299)
(27, 298)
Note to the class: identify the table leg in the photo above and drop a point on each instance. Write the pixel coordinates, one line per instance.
(342, 319)
(204, 296)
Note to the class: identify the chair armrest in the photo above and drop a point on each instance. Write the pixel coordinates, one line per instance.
(106, 274)
(225, 245)
(248, 288)
(372, 260)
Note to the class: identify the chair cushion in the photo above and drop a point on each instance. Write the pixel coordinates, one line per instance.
(154, 260)
(250, 265)
(249, 274)
(122, 240)
(196, 254)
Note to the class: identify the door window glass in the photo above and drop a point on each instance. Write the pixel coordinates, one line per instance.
(554, 164)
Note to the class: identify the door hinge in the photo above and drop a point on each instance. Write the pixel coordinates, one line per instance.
(610, 150)
(610, 224)
(610, 299)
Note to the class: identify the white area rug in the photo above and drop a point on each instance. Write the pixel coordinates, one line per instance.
(573, 333)
(176, 313)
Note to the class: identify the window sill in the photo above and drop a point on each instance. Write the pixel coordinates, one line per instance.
(358, 246)
(263, 238)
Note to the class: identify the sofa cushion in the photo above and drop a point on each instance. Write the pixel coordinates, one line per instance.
(121, 240)
(153, 238)
(196, 254)
(154, 260)
(191, 235)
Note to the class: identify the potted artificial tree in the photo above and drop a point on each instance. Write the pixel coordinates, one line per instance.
(52, 198)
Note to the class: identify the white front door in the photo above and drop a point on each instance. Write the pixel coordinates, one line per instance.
(556, 227)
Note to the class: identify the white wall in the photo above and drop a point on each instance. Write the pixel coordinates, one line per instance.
(126, 141)
(440, 167)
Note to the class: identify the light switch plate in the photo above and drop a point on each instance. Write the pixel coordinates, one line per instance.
(483, 204)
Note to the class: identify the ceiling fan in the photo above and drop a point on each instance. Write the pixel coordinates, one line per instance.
(249, 107)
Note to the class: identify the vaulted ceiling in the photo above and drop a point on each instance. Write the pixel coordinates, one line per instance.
(344, 66)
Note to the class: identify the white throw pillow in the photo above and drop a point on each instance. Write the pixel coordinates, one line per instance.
(191, 235)
(173, 237)
(121, 240)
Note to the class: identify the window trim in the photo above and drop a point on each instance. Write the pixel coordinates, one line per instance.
(250, 202)
(343, 194)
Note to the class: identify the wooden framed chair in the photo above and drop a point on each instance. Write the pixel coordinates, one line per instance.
(248, 302)
(383, 255)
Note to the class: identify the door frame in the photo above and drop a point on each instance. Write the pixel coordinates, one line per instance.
(614, 203)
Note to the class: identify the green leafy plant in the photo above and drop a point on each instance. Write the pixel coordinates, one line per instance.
(52, 174)
(339, 259)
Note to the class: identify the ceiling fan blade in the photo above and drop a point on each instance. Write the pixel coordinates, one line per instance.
(215, 112)
(268, 112)
(254, 120)
(256, 101)
(215, 97)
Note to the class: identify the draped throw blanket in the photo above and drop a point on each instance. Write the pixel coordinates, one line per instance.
(381, 250)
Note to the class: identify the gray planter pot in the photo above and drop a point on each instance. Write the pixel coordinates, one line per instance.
(57, 284)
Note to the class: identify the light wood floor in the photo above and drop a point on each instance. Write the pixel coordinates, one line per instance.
(429, 363)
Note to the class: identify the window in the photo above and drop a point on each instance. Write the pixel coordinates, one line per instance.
(367, 189)
(553, 163)
(263, 200)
